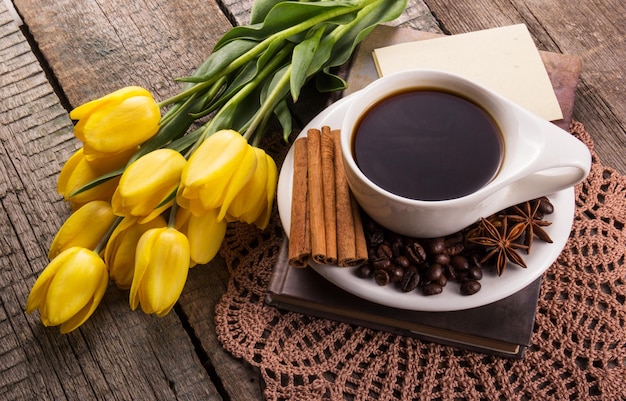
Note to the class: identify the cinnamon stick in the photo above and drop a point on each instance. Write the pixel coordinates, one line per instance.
(299, 233)
(351, 246)
(361, 254)
(316, 197)
(328, 193)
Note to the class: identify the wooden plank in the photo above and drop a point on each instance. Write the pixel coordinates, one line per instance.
(119, 353)
(594, 31)
(96, 47)
(205, 286)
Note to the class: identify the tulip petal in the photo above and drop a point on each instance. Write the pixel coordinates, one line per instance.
(76, 173)
(79, 318)
(211, 167)
(250, 201)
(79, 281)
(107, 162)
(117, 122)
(242, 175)
(66, 171)
(272, 178)
(205, 234)
(38, 293)
(121, 248)
(87, 108)
(164, 282)
(142, 259)
(161, 268)
(85, 228)
(147, 182)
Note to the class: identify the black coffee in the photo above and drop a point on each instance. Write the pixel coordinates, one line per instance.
(428, 145)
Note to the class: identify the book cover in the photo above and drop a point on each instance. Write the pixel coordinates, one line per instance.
(503, 328)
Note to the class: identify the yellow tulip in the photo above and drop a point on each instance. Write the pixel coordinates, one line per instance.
(161, 267)
(253, 204)
(216, 172)
(76, 173)
(118, 121)
(147, 182)
(119, 254)
(270, 191)
(205, 233)
(107, 162)
(84, 228)
(69, 289)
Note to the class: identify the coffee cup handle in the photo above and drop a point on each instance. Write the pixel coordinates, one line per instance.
(561, 162)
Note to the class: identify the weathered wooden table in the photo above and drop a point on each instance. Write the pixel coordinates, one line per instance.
(57, 55)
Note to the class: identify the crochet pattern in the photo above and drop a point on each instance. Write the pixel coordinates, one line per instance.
(578, 346)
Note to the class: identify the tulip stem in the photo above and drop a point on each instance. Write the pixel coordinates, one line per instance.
(270, 103)
(105, 238)
(172, 218)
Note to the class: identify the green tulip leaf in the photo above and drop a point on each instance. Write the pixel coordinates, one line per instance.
(287, 14)
(328, 82)
(260, 9)
(303, 56)
(100, 180)
(220, 59)
(283, 114)
(364, 23)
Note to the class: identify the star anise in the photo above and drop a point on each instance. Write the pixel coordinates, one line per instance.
(528, 214)
(501, 243)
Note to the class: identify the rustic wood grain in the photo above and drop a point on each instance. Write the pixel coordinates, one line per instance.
(122, 353)
(594, 31)
(96, 46)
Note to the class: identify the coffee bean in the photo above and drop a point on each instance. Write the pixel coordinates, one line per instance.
(402, 261)
(414, 251)
(365, 271)
(470, 287)
(410, 280)
(437, 246)
(427, 264)
(453, 246)
(545, 206)
(450, 272)
(433, 272)
(475, 273)
(384, 251)
(442, 258)
(382, 264)
(432, 289)
(462, 276)
(396, 274)
(442, 280)
(381, 277)
(459, 262)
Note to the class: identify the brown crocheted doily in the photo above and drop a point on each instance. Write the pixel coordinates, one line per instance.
(578, 347)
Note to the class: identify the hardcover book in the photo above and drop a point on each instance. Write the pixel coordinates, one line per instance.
(502, 328)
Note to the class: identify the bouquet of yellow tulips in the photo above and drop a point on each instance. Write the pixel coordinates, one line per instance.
(151, 194)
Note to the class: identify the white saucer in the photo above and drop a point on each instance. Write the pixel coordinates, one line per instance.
(493, 288)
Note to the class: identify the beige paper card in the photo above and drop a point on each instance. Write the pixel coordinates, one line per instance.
(505, 60)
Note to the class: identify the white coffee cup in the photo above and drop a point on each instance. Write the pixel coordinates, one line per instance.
(539, 159)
